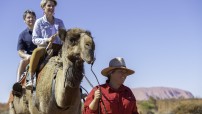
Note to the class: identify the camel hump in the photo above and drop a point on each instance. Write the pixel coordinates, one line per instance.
(52, 63)
(55, 60)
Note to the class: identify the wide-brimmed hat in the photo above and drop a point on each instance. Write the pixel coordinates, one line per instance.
(116, 63)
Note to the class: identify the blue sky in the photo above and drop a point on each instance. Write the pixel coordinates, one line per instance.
(159, 39)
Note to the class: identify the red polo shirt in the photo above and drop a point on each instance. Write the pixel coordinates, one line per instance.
(121, 101)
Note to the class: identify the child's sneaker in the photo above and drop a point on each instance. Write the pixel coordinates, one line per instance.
(29, 85)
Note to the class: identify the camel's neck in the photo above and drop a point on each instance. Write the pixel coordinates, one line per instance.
(67, 85)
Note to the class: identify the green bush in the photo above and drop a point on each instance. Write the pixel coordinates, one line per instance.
(149, 106)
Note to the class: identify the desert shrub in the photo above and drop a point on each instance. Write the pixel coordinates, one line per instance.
(149, 106)
(188, 109)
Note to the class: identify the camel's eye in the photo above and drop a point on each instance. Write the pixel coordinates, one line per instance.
(87, 45)
(73, 41)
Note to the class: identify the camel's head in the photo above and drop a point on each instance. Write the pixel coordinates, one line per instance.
(77, 44)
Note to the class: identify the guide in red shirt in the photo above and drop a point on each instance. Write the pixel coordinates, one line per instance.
(112, 97)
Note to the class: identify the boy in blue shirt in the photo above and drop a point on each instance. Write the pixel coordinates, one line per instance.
(25, 45)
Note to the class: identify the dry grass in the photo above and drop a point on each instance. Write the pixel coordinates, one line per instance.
(3, 108)
(171, 106)
(152, 106)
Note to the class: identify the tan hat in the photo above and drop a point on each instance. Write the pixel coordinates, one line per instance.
(116, 63)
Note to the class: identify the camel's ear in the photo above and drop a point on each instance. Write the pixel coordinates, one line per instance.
(62, 34)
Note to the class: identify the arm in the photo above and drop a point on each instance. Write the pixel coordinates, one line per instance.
(39, 34)
(135, 109)
(37, 37)
(61, 25)
(23, 55)
(21, 47)
(91, 105)
(94, 104)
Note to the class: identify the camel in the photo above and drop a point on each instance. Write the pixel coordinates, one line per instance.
(58, 84)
